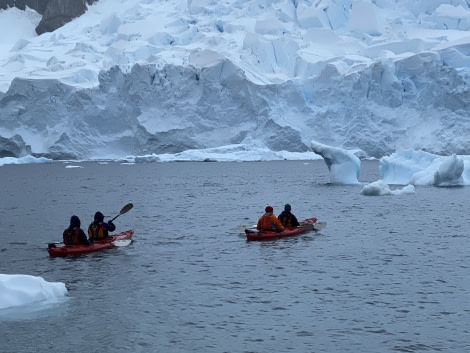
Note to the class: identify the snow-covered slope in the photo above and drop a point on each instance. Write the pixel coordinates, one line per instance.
(152, 77)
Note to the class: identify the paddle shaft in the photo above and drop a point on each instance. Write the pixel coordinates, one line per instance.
(125, 209)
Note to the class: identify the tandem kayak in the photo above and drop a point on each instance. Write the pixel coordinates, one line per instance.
(305, 226)
(113, 241)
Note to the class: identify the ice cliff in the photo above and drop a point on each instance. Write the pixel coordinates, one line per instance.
(367, 76)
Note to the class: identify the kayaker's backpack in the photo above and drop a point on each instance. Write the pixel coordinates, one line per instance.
(71, 236)
(97, 231)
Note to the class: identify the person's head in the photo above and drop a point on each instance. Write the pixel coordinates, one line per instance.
(269, 209)
(287, 207)
(74, 221)
(99, 217)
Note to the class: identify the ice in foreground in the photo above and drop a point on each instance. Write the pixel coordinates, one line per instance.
(20, 290)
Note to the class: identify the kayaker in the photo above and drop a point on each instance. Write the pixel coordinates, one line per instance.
(99, 229)
(268, 221)
(74, 235)
(287, 219)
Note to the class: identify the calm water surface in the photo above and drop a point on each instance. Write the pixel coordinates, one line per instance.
(388, 273)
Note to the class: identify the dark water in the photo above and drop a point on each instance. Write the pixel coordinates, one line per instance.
(388, 274)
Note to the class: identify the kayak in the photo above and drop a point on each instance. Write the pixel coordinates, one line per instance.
(268, 235)
(113, 241)
(305, 226)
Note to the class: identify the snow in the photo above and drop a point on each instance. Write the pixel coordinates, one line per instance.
(20, 290)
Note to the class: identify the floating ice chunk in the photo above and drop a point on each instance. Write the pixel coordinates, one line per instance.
(380, 188)
(18, 290)
(344, 166)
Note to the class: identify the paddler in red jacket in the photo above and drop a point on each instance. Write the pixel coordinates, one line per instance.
(269, 221)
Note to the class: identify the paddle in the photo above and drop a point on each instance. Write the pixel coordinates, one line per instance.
(313, 226)
(123, 242)
(243, 228)
(125, 209)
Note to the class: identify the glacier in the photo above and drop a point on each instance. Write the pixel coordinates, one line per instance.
(155, 80)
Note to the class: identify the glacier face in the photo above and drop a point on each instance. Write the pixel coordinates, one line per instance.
(377, 110)
(146, 111)
(216, 78)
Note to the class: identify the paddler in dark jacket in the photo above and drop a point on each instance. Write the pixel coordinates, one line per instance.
(269, 222)
(74, 235)
(99, 229)
(287, 219)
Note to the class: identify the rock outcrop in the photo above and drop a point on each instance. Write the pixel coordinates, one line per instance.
(55, 13)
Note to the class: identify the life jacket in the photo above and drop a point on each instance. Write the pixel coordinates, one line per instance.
(97, 230)
(71, 236)
(286, 220)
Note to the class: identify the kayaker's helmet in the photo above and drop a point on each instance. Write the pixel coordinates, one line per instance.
(269, 209)
(287, 207)
(74, 221)
(99, 217)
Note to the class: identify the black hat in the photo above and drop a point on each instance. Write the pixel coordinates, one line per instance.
(74, 221)
(99, 216)
(287, 207)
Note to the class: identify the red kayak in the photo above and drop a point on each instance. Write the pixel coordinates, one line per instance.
(98, 245)
(305, 226)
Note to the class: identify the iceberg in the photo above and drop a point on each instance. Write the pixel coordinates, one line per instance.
(20, 290)
(422, 168)
(400, 168)
(343, 165)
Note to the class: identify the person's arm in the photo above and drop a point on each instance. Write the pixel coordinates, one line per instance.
(259, 226)
(295, 222)
(65, 237)
(90, 235)
(278, 224)
(110, 226)
(82, 237)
